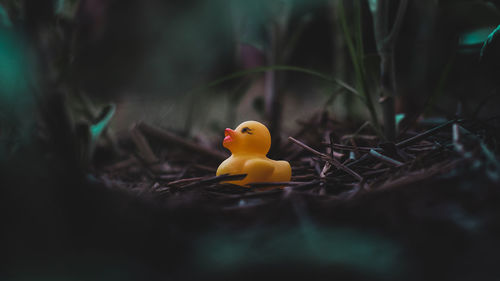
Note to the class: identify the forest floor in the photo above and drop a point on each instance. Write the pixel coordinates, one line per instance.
(423, 208)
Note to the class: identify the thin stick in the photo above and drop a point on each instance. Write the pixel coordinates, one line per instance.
(423, 135)
(303, 177)
(181, 181)
(356, 149)
(325, 170)
(376, 172)
(172, 138)
(216, 179)
(266, 184)
(325, 157)
(363, 158)
(456, 138)
(363, 137)
(308, 148)
(386, 159)
(143, 146)
(350, 148)
(205, 168)
(343, 167)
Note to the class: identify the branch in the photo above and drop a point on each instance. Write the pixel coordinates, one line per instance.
(326, 157)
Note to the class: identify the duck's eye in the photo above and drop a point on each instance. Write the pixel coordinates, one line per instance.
(246, 130)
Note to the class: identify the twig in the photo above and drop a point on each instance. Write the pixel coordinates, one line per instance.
(421, 149)
(355, 162)
(172, 138)
(330, 138)
(356, 150)
(182, 181)
(424, 135)
(142, 144)
(332, 151)
(351, 148)
(459, 147)
(376, 172)
(308, 148)
(341, 166)
(386, 159)
(358, 136)
(205, 168)
(303, 177)
(267, 184)
(216, 179)
(167, 177)
(325, 157)
(325, 170)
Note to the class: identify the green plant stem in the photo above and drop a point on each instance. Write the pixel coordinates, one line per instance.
(385, 38)
(355, 47)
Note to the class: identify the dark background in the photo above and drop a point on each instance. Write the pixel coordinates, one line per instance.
(59, 222)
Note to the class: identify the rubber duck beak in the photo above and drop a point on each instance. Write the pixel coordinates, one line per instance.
(229, 134)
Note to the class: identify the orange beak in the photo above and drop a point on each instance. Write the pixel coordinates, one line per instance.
(229, 134)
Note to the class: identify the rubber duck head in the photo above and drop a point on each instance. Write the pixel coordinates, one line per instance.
(248, 137)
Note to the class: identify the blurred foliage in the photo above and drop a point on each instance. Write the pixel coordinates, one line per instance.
(133, 51)
(4, 18)
(489, 40)
(325, 248)
(475, 37)
(36, 69)
(471, 14)
(17, 80)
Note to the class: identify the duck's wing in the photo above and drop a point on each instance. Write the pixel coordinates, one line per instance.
(258, 170)
(225, 167)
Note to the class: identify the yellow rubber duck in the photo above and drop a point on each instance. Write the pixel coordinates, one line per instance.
(249, 144)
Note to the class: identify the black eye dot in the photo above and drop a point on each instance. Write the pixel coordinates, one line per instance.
(246, 130)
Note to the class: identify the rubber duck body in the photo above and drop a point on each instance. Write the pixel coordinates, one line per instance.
(249, 144)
